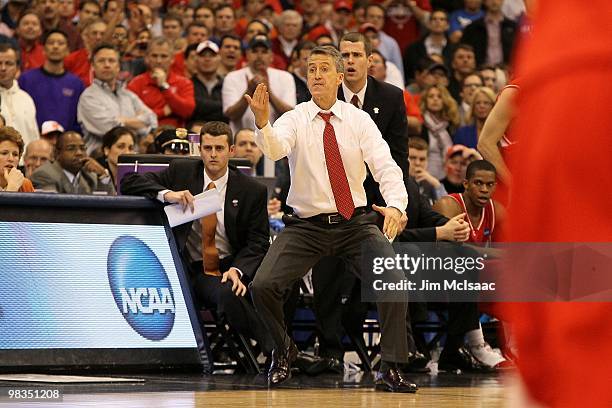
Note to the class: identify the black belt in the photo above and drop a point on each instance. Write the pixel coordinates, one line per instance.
(334, 218)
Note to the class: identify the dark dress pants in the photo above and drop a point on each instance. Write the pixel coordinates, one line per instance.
(238, 310)
(298, 248)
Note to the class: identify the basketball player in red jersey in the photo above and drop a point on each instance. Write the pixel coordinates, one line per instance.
(482, 213)
(565, 356)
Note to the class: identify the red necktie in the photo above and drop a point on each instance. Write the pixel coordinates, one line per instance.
(210, 254)
(335, 170)
(355, 101)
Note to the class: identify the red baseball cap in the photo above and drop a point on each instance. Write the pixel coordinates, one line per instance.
(342, 5)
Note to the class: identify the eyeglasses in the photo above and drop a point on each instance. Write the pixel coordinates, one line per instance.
(177, 147)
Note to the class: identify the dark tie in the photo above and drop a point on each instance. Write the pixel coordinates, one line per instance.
(210, 254)
(335, 170)
(355, 101)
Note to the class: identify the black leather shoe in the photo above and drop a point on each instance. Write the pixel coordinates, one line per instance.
(417, 363)
(280, 367)
(311, 365)
(335, 366)
(461, 360)
(393, 381)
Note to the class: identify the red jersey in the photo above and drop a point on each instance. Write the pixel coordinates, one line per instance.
(482, 232)
(179, 97)
(33, 58)
(78, 63)
(564, 353)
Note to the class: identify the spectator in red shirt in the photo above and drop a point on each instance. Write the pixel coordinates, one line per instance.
(94, 31)
(29, 31)
(169, 95)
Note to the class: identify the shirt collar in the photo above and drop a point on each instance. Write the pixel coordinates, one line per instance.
(313, 110)
(120, 84)
(219, 183)
(348, 94)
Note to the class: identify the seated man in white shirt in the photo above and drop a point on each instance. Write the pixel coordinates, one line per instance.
(280, 85)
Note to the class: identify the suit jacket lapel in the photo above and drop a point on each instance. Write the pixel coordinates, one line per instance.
(369, 97)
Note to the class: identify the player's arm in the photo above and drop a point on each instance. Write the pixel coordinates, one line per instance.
(493, 130)
(447, 207)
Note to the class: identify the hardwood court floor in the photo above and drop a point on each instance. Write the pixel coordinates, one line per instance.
(172, 391)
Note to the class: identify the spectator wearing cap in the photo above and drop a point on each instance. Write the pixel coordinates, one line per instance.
(457, 158)
(435, 42)
(173, 142)
(72, 172)
(290, 25)
(208, 84)
(28, 32)
(259, 27)
(280, 84)
(37, 153)
(55, 91)
(49, 11)
(388, 47)
(340, 19)
(50, 131)
(16, 106)
(169, 95)
(195, 33)
(230, 51)
(106, 103)
(78, 62)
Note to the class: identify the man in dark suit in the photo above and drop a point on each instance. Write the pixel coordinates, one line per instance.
(240, 230)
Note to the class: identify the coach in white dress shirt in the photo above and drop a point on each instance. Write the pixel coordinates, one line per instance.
(327, 142)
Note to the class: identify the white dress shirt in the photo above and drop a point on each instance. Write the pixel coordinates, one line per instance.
(298, 134)
(19, 111)
(235, 85)
(348, 94)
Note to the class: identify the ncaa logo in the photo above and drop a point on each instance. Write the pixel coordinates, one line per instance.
(141, 288)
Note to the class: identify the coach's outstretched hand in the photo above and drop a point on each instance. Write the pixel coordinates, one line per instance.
(260, 105)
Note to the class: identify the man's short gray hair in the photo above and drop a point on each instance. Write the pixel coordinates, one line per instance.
(288, 15)
(332, 52)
